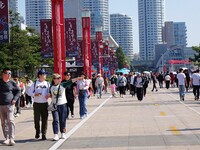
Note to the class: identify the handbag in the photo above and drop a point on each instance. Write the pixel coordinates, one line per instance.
(53, 106)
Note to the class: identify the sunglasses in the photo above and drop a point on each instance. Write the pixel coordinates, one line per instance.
(7, 72)
(56, 78)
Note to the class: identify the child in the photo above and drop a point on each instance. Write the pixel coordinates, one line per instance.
(113, 89)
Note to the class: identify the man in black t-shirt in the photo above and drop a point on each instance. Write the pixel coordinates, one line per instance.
(70, 92)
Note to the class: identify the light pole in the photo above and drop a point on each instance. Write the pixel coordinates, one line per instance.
(58, 36)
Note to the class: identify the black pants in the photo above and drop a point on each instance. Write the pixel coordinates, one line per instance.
(132, 89)
(196, 91)
(154, 86)
(17, 106)
(40, 111)
(28, 99)
(139, 93)
(167, 84)
(70, 106)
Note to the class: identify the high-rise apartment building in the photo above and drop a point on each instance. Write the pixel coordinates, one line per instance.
(99, 11)
(151, 20)
(13, 5)
(36, 10)
(175, 33)
(73, 9)
(121, 30)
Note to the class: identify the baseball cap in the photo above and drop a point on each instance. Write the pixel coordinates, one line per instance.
(41, 72)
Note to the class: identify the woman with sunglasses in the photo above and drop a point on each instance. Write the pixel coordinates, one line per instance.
(57, 94)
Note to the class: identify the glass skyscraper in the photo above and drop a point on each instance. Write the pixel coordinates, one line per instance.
(13, 5)
(121, 30)
(99, 11)
(151, 20)
(36, 10)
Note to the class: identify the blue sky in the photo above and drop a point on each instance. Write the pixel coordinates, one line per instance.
(176, 10)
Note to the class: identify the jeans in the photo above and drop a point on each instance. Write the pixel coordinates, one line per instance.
(182, 90)
(7, 121)
(82, 103)
(99, 91)
(40, 110)
(59, 119)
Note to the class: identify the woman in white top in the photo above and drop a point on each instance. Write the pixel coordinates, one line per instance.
(57, 92)
(82, 91)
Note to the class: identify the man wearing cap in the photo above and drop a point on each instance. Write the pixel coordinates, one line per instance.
(39, 91)
(9, 93)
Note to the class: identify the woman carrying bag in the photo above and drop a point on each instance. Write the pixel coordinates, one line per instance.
(59, 111)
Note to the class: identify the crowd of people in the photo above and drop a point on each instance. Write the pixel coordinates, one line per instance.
(15, 94)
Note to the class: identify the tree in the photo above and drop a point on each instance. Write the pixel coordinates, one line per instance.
(196, 59)
(121, 58)
(23, 51)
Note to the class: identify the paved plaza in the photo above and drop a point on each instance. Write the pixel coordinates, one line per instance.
(159, 122)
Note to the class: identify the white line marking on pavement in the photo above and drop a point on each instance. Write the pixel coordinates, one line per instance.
(61, 141)
(165, 116)
(187, 106)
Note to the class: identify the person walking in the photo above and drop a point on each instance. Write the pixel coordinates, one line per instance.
(195, 82)
(181, 83)
(153, 77)
(132, 91)
(121, 84)
(82, 91)
(99, 83)
(93, 84)
(57, 93)
(39, 91)
(113, 85)
(9, 94)
(27, 87)
(139, 82)
(167, 80)
(70, 92)
(145, 83)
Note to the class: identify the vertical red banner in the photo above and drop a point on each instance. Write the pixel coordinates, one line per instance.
(71, 37)
(79, 57)
(86, 45)
(4, 25)
(99, 37)
(46, 38)
(95, 53)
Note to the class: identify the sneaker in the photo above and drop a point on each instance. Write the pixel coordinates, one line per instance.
(86, 115)
(17, 115)
(56, 137)
(81, 117)
(44, 137)
(12, 142)
(183, 98)
(6, 142)
(72, 116)
(63, 136)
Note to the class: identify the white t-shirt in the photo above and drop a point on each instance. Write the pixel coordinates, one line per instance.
(39, 87)
(167, 78)
(181, 78)
(195, 79)
(61, 95)
(138, 82)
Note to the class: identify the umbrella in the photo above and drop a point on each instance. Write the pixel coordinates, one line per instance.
(146, 72)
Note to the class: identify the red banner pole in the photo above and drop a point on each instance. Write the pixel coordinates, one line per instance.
(58, 36)
(99, 38)
(86, 42)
